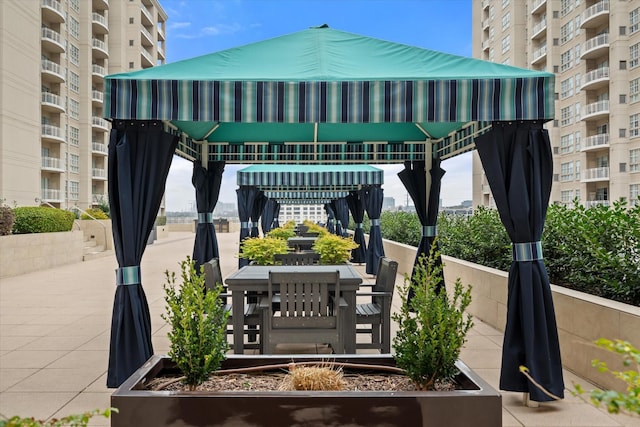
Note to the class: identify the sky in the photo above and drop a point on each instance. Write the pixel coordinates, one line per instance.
(199, 27)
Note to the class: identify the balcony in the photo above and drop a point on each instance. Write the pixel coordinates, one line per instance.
(99, 148)
(486, 189)
(100, 4)
(99, 24)
(485, 24)
(161, 35)
(146, 58)
(539, 6)
(52, 133)
(596, 15)
(98, 70)
(97, 96)
(146, 17)
(595, 203)
(100, 123)
(50, 195)
(485, 45)
(595, 174)
(98, 198)
(52, 164)
(52, 40)
(52, 102)
(595, 142)
(54, 71)
(100, 49)
(160, 51)
(595, 110)
(99, 173)
(540, 29)
(539, 55)
(595, 47)
(52, 11)
(147, 38)
(595, 79)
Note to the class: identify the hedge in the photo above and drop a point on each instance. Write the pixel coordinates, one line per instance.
(41, 219)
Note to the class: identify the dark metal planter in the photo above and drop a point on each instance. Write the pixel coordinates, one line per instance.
(477, 404)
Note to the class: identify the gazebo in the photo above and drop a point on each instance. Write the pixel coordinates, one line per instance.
(323, 96)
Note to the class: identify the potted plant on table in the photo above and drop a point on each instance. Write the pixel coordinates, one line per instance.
(411, 406)
(260, 250)
(334, 249)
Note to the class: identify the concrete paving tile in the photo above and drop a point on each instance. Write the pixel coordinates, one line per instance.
(27, 330)
(509, 420)
(30, 359)
(40, 405)
(10, 377)
(55, 343)
(480, 342)
(57, 319)
(13, 319)
(99, 385)
(81, 359)
(9, 343)
(88, 402)
(59, 380)
(100, 342)
(480, 358)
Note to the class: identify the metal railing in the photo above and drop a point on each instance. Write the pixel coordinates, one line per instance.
(83, 212)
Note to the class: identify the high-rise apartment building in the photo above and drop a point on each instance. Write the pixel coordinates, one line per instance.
(593, 48)
(55, 54)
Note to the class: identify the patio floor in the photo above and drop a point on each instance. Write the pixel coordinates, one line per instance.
(54, 340)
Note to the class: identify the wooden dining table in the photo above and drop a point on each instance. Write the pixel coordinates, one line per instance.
(255, 278)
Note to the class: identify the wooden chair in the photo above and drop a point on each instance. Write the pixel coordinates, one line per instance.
(297, 258)
(252, 317)
(305, 314)
(377, 312)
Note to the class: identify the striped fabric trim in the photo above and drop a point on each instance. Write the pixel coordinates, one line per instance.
(128, 275)
(429, 231)
(332, 102)
(358, 225)
(530, 251)
(245, 225)
(375, 223)
(310, 179)
(205, 217)
(311, 195)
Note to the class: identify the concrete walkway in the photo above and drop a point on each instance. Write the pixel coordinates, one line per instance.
(54, 340)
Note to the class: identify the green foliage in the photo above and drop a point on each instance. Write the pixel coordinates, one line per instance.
(262, 249)
(198, 323)
(76, 420)
(103, 205)
(7, 218)
(614, 401)
(315, 228)
(433, 328)
(281, 233)
(334, 249)
(41, 219)
(161, 220)
(401, 227)
(96, 213)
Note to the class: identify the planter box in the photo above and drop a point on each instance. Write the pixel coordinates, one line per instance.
(478, 404)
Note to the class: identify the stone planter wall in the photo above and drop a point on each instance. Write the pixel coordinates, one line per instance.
(581, 318)
(98, 230)
(23, 253)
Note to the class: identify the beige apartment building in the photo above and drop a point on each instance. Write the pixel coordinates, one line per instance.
(593, 47)
(54, 55)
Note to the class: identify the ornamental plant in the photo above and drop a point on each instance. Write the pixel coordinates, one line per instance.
(281, 233)
(261, 250)
(41, 219)
(432, 327)
(198, 323)
(334, 249)
(75, 420)
(6, 219)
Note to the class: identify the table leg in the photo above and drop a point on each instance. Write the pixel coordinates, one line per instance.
(237, 301)
(349, 328)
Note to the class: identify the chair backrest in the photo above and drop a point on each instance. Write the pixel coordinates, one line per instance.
(297, 258)
(212, 274)
(304, 299)
(386, 278)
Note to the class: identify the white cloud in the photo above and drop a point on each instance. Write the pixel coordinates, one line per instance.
(178, 25)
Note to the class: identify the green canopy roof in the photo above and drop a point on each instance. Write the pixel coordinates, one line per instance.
(326, 95)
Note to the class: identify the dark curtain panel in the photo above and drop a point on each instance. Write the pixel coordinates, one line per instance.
(342, 216)
(517, 161)
(373, 198)
(276, 214)
(356, 207)
(246, 196)
(207, 184)
(266, 220)
(256, 211)
(426, 199)
(331, 217)
(140, 155)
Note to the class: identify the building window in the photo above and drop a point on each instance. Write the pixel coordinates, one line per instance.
(74, 163)
(131, 20)
(566, 172)
(74, 109)
(577, 169)
(74, 54)
(578, 108)
(566, 60)
(634, 160)
(566, 196)
(74, 82)
(634, 194)
(634, 125)
(634, 19)
(506, 43)
(566, 116)
(566, 6)
(506, 20)
(577, 141)
(74, 27)
(74, 136)
(75, 5)
(131, 65)
(566, 88)
(634, 90)
(74, 190)
(634, 55)
(505, 3)
(131, 42)
(566, 32)
(566, 144)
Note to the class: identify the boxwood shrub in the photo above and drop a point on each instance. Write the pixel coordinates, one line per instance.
(41, 219)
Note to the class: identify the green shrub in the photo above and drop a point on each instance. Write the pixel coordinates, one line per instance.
(262, 249)
(161, 220)
(198, 324)
(401, 227)
(7, 218)
(281, 233)
(41, 219)
(432, 328)
(96, 213)
(76, 420)
(334, 249)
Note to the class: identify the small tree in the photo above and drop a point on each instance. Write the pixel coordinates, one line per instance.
(431, 328)
(262, 249)
(334, 249)
(198, 323)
